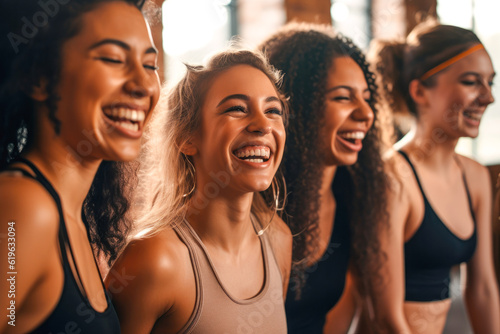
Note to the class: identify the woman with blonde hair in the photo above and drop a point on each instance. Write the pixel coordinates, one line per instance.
(212, 257)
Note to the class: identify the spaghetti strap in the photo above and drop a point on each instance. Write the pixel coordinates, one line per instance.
(413, 169)
(469, 198)
(64, 242)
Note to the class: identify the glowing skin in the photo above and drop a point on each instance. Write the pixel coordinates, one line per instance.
(109, 83)
(241, 115)
(460, 96)
(348, 116)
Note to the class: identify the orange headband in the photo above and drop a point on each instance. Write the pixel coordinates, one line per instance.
(450, 61)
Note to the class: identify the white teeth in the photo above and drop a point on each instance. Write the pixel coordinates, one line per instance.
(476, 117)
(126, 114)
(353, 135)
(130, 126)
(263, 153)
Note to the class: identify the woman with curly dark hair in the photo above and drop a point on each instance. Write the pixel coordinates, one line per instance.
(439, 201)
(333, 171)
(78, 82)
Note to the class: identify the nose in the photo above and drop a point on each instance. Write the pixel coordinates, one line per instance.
(363, 112)
(259, 123)
(486, 96)
(141, 82)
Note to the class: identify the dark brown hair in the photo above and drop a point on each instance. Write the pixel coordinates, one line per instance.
(304, 53)
(399, 62)
(27, 57)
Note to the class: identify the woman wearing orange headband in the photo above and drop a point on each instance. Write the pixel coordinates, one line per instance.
(439, 201)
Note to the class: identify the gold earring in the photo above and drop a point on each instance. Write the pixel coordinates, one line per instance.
(276, 197)
(192, 171)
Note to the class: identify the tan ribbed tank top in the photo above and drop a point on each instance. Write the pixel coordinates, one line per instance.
(216, 311)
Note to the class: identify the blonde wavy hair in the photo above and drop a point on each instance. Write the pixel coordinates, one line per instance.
(166, 179)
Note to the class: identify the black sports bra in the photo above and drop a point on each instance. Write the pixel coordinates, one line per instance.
(73, 312)
(432, 251)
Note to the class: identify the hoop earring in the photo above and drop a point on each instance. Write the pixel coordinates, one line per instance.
(191, 171)
(276, 199)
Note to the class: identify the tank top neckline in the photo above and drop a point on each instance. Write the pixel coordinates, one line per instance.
(265, 258)
(428, 204)
(65, 241)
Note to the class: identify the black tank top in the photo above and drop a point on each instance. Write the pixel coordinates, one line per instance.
(432, 251)
(325, 281)
(73, 312)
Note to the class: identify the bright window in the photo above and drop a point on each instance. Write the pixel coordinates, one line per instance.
(481, 16)
(192, 30)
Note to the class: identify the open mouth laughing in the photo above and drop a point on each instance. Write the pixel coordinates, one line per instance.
(126, 117)
(256, 154)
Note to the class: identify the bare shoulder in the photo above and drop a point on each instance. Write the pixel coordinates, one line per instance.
(281, 242)
(401, 178)
(280, 231)
(477, 178)
(27, 203)
(154, 258)
(474, 171)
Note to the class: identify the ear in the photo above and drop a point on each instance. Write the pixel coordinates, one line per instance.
(39, 92)
(418, 92)
(188, 148)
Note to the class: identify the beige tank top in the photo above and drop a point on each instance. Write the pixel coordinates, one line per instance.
(216, 311)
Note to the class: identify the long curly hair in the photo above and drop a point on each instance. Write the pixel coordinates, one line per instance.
(33, 34)
(167, 178)
(304, 54)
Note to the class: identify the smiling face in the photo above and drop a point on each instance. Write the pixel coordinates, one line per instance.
(458, 100)
(108, 83)
(242, 131)
(348, 115)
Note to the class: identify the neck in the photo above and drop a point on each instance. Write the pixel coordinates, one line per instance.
(431, 146)
(223, 222)
(326, 181)
(69, 174)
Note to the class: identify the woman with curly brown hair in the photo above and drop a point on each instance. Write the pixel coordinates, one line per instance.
(440, 201)
(210, 257)
(78, 81)
(333, 171)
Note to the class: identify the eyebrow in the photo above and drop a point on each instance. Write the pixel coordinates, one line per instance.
(119, 43)
(245, 98)
(344, 87)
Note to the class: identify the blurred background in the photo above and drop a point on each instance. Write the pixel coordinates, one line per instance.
(190, 30)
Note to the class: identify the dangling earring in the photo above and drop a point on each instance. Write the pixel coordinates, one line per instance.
(276, 199)
(192, 171)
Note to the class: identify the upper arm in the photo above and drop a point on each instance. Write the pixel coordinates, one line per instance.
(140, 283)
(29, 223)
(281, 240)
(389, 294)
(480, 268)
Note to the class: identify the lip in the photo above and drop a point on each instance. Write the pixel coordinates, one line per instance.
(470, 121)
(355, 146)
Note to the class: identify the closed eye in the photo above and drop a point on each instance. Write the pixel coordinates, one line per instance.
(110, 60)
(151, 67)
(341, 98)
(276, 111)
(469, 82)
(235, 109)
